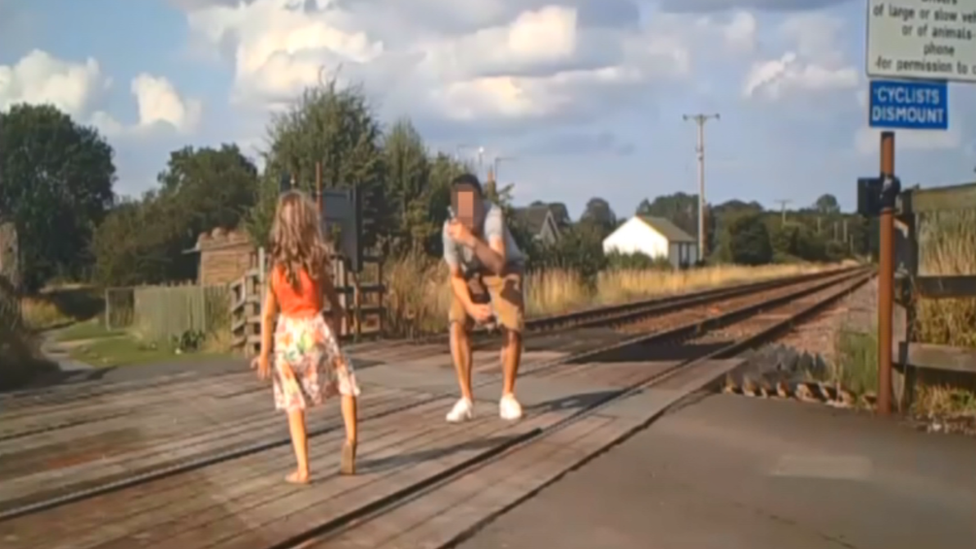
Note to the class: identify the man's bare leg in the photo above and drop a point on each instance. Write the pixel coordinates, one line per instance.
(509, 407)
(511, 359)
(461, 352)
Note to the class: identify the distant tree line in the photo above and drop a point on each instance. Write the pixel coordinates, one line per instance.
(58, 181)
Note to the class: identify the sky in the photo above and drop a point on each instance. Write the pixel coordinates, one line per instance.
(578, 98)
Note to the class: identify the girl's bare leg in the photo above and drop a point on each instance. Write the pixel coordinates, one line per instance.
(348, 463)
(299, 440)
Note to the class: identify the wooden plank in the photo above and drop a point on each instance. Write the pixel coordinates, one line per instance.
(223, 505)
(160, 409)
(186, 500)
(140, 396)
(178, 418)
(422, 521)
(441, 517)
(935, 357)
(52, 483)
(944, 287)
(280, 520)
(954, 197)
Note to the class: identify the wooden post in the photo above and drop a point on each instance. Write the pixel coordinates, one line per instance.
(342, 284)
(379, 297)
(358, 303)
(108, 310)
(886, 274)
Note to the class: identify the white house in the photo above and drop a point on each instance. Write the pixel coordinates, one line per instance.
(655, 237)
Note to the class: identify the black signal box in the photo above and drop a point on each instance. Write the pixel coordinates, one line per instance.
(869, 196)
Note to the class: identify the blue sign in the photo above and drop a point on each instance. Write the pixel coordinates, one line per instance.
(920, 105)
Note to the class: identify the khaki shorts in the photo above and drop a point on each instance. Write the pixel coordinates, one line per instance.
(504, 293)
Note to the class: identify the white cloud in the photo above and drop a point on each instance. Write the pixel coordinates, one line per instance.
(740, 32)
(39, 78)
(774, 79)
(814, 63)
(159, 102)
(488, 60)
(77, 88)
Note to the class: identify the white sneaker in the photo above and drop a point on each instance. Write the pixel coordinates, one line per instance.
(509, 409)
(463, 410)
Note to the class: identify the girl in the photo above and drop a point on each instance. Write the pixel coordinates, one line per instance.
(308, 364)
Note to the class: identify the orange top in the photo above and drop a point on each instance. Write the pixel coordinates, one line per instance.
(304, 303)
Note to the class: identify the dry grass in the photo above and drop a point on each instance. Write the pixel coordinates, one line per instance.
(20, 357)
(60, 306)
(419, 294)
(947, 246)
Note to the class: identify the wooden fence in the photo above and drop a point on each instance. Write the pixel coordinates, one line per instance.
(160, 313)
(360, 296)
(913, 282)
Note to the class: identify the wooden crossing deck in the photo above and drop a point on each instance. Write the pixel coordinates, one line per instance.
(198, 462)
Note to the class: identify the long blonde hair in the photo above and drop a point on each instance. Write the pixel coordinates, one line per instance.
(297, 241)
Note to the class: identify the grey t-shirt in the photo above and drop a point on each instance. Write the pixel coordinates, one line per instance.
(493, 226)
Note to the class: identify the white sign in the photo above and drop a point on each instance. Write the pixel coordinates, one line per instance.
(923, 39)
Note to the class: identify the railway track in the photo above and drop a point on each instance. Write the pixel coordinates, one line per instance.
(604, 316)
(728, 320)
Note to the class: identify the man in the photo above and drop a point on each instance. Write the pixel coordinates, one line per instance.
(486, 278)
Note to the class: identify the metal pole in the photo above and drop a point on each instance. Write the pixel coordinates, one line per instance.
(886, 276)
(700, 120)
(701, 191)
(782, 210)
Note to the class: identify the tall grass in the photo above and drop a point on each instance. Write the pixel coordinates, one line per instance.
(947, 246)
(19, 350)
(419, 295)
(855, 364)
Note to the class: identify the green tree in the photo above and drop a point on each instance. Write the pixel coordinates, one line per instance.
(795, 240)
(827, 204)
(211, 187)
(442, 170)
(748, 241)
(678, 208)
(57, 179)
(200, 189)
(599, 213)
(637, 260)
(407, 181)
(337, 128)
(127, 253)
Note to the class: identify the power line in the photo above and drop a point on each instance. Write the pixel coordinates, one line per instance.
(700, 120)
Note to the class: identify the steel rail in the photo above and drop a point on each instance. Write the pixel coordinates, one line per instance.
(130, 478)
(356, 517)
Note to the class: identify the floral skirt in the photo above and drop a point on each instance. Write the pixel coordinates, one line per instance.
(311, 351)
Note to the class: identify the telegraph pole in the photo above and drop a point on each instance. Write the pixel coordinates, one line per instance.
(700, 120)
(782, 208)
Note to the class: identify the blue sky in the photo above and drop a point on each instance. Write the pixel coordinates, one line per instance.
(587, 95)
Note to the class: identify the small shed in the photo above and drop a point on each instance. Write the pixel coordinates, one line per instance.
(225, 256)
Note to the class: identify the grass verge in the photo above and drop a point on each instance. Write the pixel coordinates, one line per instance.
(20, 356)
(127, 350)
(419, 295)
(61, 306)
